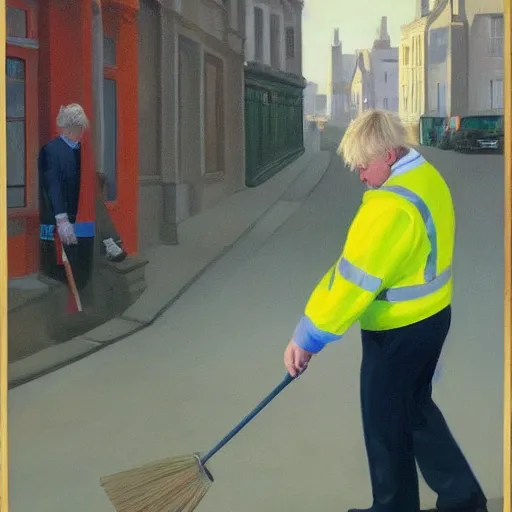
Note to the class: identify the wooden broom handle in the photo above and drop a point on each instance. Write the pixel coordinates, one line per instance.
(71, 279)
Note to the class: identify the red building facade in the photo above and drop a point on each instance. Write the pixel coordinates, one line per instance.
(49, 64)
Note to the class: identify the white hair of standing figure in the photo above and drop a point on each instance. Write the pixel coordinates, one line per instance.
(370, 135)
(72, 116)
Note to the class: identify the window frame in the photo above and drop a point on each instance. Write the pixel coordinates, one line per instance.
(275, 44)
(290, 43)
(32, 25)
(259, 43)
(30, 57)
(496, 41)
(406, 55)
(494, 89)
(405, 97)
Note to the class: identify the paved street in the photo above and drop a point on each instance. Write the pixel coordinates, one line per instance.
(182, 383)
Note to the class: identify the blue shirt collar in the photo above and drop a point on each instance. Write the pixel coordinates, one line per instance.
(73, 144)
(407, 163)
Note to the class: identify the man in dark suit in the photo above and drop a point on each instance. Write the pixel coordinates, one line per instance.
(59, 193)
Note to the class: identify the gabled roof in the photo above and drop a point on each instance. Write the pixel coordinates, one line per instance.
(363, 62)
(429, 18)
(363, 57)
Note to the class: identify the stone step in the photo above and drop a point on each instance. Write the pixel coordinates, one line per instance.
(37, 306)
(30, 314)
(25, 289)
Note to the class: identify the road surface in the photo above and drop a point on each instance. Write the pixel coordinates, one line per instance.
(180, 385)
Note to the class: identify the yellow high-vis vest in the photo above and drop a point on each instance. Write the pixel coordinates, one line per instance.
(395, 268)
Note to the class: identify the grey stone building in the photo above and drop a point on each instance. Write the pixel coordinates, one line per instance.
(191, 137)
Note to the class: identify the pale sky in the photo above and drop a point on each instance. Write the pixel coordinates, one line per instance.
(358, 22)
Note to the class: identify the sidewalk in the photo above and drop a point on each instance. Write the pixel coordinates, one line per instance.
(203, 240)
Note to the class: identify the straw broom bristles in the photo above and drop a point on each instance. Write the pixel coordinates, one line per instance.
(175, 484)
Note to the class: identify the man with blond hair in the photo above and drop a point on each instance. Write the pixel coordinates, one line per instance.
(394, 277)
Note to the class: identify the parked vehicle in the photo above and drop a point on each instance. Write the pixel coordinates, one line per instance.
(432, 130)
(479, 133)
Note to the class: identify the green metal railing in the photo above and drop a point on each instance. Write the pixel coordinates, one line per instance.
(273, 123)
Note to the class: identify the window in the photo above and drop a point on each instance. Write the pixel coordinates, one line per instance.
(385, 77)
(16, 22)
(404, 96)
(438, 98)
(21, 24)
(385, 104)
(227, 6)
(110, 117)
(213, 114)
(232, 13)
(16, 144)
(21, 107)
(290, 43)
(413, 97)
(258, 34)
(406, 56)
(240, 15)
(419, 93)
(496, 90)
(109, 52)
(496, 36)
(275, 41)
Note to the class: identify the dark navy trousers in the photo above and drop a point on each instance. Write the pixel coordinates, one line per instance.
(402, 424)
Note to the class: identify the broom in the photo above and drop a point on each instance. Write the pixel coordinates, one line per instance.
(71, 279)
(176, 484)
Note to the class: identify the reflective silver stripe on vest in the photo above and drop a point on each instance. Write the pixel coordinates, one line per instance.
(416, 291)
(359, 277)
(434, 282)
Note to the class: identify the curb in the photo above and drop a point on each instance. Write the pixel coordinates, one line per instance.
(76, 349)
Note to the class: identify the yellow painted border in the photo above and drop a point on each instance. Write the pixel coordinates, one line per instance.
(4, 468)
(507, 405)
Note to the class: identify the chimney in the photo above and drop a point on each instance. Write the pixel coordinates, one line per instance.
(384, 36)
(383, 40)
(336, 36)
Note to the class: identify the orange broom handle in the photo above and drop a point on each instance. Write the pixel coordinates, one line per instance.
(71, 279)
